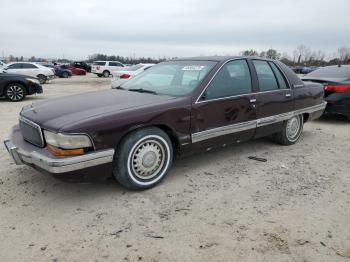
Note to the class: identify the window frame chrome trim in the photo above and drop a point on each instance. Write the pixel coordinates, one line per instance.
(251, 93)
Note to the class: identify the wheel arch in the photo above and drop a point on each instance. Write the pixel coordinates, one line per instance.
(166, 129)
(306, 117)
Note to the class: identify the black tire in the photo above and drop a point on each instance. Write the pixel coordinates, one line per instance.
(15, 92)
(42, 79)
(143, 158)
(106, 73)
(65, 75)
(291, 131)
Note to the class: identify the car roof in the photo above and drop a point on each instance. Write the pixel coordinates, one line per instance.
(219, 58)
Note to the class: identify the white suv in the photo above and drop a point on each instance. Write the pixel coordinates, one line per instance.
(30, 69)
(105, 68)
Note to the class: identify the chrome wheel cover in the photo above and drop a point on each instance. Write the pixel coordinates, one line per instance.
(147, 159)
(15, 93)
(293, 128)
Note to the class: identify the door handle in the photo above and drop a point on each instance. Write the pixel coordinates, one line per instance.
(288, 95)
(253, 100)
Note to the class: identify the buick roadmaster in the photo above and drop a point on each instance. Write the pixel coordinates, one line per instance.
(174, 108)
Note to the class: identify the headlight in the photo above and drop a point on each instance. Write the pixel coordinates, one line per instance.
(32, 80)
(67, 141)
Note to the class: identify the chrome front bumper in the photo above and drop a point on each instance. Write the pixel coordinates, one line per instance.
(55, 165)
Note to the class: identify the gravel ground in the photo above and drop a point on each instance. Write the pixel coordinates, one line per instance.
(218, 206)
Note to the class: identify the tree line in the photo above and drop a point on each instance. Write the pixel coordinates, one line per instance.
(302, 56)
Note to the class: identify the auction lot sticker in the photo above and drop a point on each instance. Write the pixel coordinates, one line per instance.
(193, 68)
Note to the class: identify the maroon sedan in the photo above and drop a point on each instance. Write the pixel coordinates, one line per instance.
(176, 107)
(74, 70)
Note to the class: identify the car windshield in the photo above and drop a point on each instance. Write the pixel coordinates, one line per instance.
(173, 78)
(332, 72)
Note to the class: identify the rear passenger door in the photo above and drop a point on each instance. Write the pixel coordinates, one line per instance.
(30, 70)
(274, 99)
(224, 113)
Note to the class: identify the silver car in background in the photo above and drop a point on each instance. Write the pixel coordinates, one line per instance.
(121, 76)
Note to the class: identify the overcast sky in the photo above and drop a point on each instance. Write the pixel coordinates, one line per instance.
(74, 29)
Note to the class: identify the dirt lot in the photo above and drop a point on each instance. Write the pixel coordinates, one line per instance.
(219, 206)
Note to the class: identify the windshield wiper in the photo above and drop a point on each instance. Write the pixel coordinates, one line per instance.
(141, 90)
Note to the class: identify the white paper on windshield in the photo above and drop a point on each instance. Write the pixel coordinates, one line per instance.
(193, 68)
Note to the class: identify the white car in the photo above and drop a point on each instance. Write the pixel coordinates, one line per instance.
(2, 64)
(30, 69)
(119, 77)
(105, 68)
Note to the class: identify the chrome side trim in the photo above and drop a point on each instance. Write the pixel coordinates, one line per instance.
(234, 128)
(225, 130)
(58, 165)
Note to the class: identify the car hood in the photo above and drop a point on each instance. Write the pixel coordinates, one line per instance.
(54, 114)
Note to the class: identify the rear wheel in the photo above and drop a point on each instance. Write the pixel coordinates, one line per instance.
(143, 158)
(106, 73)
(291, 132)
(42, 79)
(65, 74)
(15, 92)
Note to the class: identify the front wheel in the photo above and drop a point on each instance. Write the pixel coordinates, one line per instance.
(291, 131)
(42, 79)
(15, 92)
(65, 75)
(143, 158)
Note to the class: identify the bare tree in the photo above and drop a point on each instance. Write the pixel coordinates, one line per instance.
(344, 54)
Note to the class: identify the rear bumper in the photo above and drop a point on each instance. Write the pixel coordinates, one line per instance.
(24, 153)
(338, 103)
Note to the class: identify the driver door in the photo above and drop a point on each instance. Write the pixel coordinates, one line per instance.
(225, 113)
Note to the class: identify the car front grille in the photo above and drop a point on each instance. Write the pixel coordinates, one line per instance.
(31, 132)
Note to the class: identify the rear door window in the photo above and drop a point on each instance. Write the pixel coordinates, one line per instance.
(115, 64)
(29, 66)
(266, 77)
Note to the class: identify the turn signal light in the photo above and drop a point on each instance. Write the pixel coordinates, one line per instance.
(337, 88)
(64, 152)
(124, 76)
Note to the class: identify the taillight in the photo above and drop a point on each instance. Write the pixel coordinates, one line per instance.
(336, 88)
(124, 76)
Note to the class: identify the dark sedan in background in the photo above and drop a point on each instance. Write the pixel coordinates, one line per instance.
(16, 87)
(336, 82)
